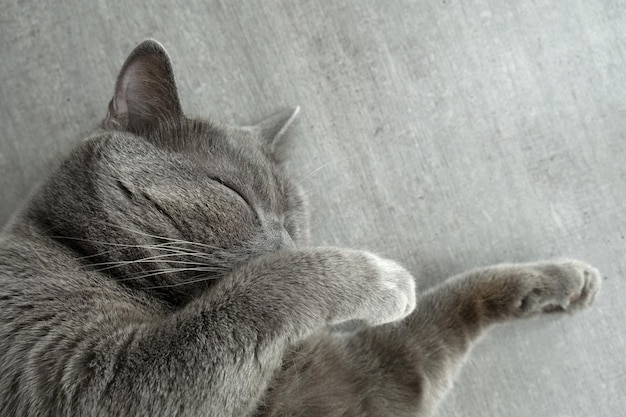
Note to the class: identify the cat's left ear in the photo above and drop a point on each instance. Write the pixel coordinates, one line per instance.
(145, 91)
(272, 129)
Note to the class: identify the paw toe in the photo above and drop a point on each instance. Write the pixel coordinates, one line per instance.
(588, 279)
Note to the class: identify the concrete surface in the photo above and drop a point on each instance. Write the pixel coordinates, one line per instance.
(443, 134)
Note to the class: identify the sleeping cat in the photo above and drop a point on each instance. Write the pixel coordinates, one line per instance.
(163, 270)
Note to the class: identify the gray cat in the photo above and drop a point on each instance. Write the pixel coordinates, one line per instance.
(163, 270)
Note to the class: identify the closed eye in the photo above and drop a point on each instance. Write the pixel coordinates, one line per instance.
(232, 188)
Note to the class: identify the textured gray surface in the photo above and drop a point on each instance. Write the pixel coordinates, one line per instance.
(444, 134)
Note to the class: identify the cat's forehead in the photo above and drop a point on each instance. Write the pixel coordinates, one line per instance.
(184, 152)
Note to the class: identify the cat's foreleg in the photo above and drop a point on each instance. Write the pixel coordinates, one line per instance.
(223, 348)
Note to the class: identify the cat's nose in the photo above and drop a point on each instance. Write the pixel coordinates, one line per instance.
(280, 238)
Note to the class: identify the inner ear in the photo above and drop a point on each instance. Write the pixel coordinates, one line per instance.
(274, 127)
(145, 92)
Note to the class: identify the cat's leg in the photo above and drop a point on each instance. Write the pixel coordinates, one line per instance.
(405, 369)
(216, 355)
(451, 317)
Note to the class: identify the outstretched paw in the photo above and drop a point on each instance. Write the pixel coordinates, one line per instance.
(566, 285)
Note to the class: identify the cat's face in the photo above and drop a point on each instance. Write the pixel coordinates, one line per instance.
(168, 203)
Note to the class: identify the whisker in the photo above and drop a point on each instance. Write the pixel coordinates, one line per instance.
(315, 171)
(160, 246)
(80, 258)
(171, 247)
(178, 284)
(112, 265)
(171, 271)
(123, 245)
(172, 240)
(147, 258)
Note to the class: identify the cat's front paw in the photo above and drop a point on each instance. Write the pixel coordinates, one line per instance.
(393, 292)
(566, 285)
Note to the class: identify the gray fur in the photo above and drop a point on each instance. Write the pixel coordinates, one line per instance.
(163, 269)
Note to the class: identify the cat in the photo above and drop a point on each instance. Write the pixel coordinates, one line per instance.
(164, 269)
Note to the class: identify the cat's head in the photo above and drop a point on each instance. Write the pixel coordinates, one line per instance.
(162, 201)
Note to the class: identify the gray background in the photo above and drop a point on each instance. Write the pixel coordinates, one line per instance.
(443, 134)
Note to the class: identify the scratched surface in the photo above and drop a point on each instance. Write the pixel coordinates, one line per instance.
(443, 134)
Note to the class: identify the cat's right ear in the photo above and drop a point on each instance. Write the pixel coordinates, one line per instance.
(145, 91)
(272, 129)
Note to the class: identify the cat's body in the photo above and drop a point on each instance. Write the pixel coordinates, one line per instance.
(164, 270)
